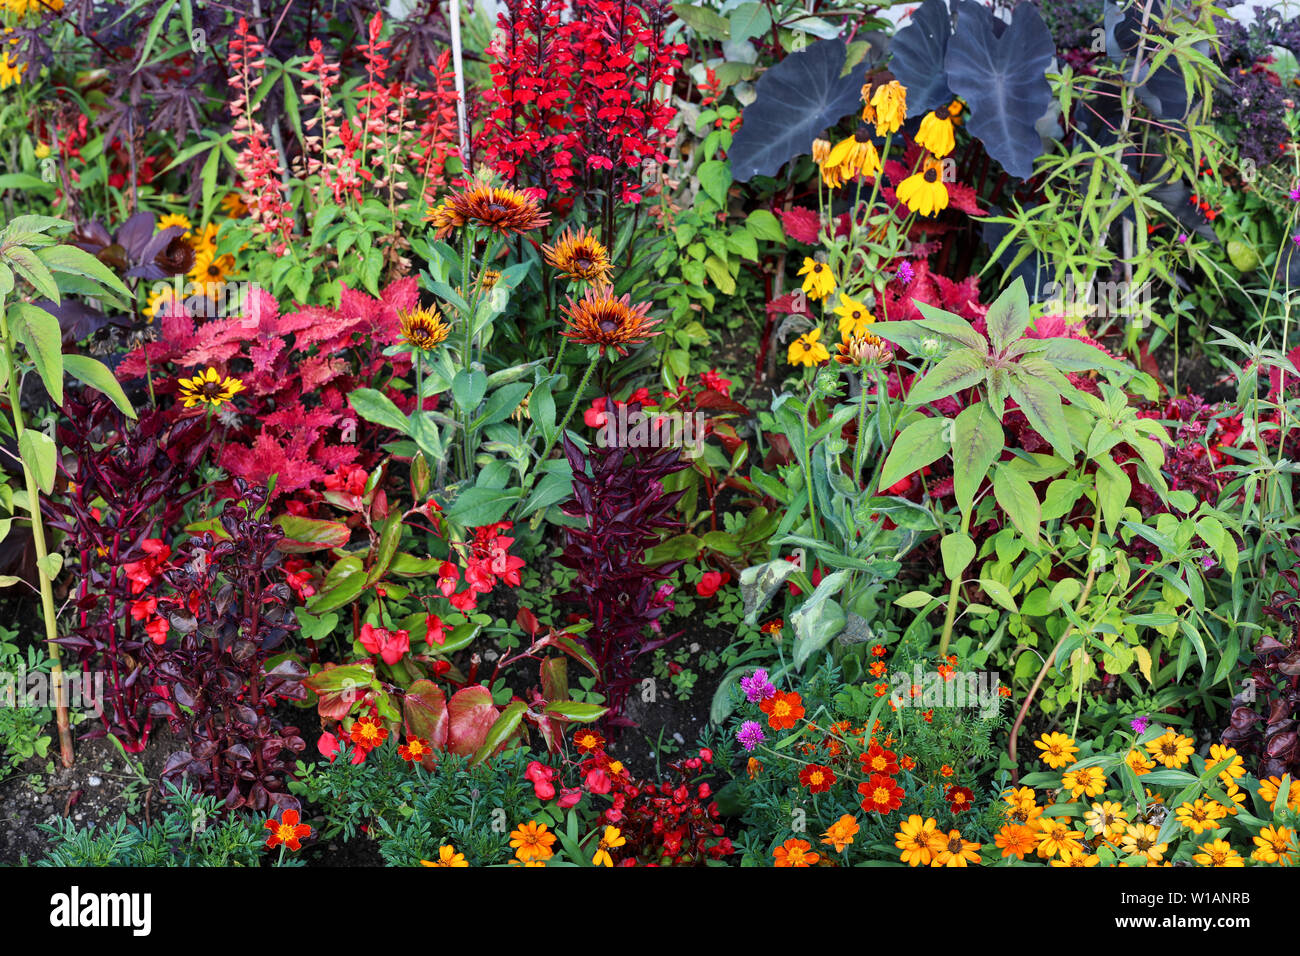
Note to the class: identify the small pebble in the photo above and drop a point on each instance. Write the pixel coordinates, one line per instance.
(94, 781)
(679, 738)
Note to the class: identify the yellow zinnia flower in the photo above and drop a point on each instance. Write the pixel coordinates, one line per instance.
(1086, 782)
(954, 850)
(532, 841)
(1080, 857)
(818, 281)
(1140, 840)
(918, 840)
(1218, 853)
(611, 840)
(1057, 750)
(806, 350)
(1273, 845)
(1268, 789)
(447, 856)
(1171, 749)
(1106, 819)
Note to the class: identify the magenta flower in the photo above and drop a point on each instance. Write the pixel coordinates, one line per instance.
(750, 734)
(1140, 724)
(905, 274)
(757, 687)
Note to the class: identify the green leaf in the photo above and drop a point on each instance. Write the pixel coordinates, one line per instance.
(1016, 497)
(962, 369)
(573, 710)
(1008, 316)
(501, 730)
(389, 537)
(302, 534)
(1113, 490)
(958, 550)
(475, 507)
(749, 20)
(977, 442)
(41, 336)
(715, 180)
(818, 619)
(39, 454)
(763, 225)
(999, 593)
(375, 406)
(918, 445)
(25, 262)
(703, 21)
(344, 592)
(1041, 403)
(74, 261)
(97, 375)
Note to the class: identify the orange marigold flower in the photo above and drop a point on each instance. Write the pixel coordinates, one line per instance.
(415, 749)
(532, 841)
(840, 833)
(817, 778)
(879, 760)
(783, 710)
(794, 852)
(367, 734)
(287, 831)
(881, 794)
(587, 740)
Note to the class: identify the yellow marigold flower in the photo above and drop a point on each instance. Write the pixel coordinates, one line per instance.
(1268, 789)
(532, 841)
(1171, 748)
(423, 328)
(1085, 782)
(806, 350)
(840, 833)
(209, 388)
(1138, 762)
(888, 108)
(1056, 836)
(447, 856)
(924, 192)
(1106, 820)
(936, 132)
(1273, 845)
(918, 840)
(1079, 857)
(610, 841)
(1218, 853)
(1140, 840)
(854, 316)
(818, 281)
(1057, 749)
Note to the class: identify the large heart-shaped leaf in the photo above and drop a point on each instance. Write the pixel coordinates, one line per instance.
(1003, 80)
(918, 49)
(796, 101)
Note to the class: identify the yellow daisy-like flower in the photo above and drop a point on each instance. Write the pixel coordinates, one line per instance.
(918, 840)
(821, 151)
(1200, 815)
(532, 841)
(160, 298)
(840, 833)
(818, 281)
(1140, 840)
(1106, 820)
(11, 71)
(423, 328)
(806, 350)
(1085, 782)
(1057, 749)
(42, 150)
(205, 240)
(447, 856)
(209, 388)
(233, 205)
(954, 850)
(855, 156)
(175, 219)
(1274, 845)
(1235, 769)
(1236, 798)
(1079, 857)
(1218, 853)
(888, 108)
(610, 841)
(1171, 748)
(924, 192)
(1137, 762)
(1268, 789)
(578, 255)
(210, 271)
(936, 132)
(1055, 836)
(854, 317)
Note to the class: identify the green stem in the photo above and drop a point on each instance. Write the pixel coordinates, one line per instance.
(860, 449)
(573, 405)
(38, 537)
(954, 591)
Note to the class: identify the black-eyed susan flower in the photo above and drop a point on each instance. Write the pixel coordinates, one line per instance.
(887, 107)
(11, 71)
(500, 209)
(447, 856)
(954, 850)
(489, 279)
(919, 840)
(611, 840)
(1057, 749)
(806, 350)
(233, 205)
(936, 132)
(532, 841)
(210, 271)
(423, 328)
(1171, 748)
(819, 281)
(821, 151)
(209, 388)
(600, 318)
(855, 156)
(175, 219)
(579, 255)
(924, 192)
(205, 240)
(163, 298)
(1218, 853)
(854, 316)
(1140, 840)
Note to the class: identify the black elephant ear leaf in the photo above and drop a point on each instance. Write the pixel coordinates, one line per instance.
(797, 100)
(918, 50)
(1003, 80)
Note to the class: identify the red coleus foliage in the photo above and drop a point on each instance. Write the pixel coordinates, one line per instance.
(574, 100)
(297, 369)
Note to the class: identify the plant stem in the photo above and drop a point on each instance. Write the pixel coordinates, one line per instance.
(38, 537)
(954, 591)
(573, 405)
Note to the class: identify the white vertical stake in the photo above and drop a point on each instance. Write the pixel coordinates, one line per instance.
(462, 124)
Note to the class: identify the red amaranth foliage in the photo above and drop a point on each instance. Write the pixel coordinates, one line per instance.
(293, 419)
(580, 103)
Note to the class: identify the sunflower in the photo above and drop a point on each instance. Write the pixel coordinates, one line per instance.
(1140, 840)
(863, 351)
(936, 132)
(233, 205)
(819, 281)
(447, 856)
(209, 388)
(887, 107)
(1057, 750)
(854, 317)
(11, 71)
(924, 192)
(599, 318)
(423, 328)
(175, 219)
(500, 209)
(855, 156)
(953, 850)
(579, 256)
(1218, 853)
(806, 350)
(918, 840)
(1171, 749)
(210, 271)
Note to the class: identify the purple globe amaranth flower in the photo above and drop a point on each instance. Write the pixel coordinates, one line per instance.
(757, 687)
(1295, 194)
(1140, 724)
(904, 274)
(750, 734)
